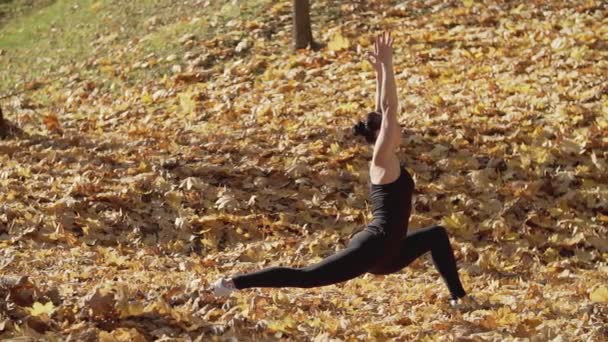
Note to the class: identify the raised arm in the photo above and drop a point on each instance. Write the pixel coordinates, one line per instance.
(379, 90)
(375, 62)
(389, 136)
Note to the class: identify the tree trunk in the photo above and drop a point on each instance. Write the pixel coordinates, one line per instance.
(2, 128)
(302, 33)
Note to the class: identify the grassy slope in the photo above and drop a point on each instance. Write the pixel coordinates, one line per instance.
(73, 32)
(129, 179)
(11, 9)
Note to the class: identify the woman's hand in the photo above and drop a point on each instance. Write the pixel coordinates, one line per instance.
(383, 51)
(384, 47)
(380, 58)
(372, 58)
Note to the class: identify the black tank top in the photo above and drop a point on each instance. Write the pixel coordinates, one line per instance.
(392, 205)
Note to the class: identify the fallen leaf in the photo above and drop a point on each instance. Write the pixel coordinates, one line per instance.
(600, 294)
(338, 42)
(39, 309)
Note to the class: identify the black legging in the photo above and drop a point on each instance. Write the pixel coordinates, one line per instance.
(363, 253)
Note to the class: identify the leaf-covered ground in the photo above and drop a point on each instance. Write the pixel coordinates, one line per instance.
(162, 144)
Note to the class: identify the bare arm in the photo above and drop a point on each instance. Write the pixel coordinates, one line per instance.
(389, 136)
(379, 74)
(375, 62)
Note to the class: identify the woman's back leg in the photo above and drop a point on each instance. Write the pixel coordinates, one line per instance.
(434, 239)
(362, 252)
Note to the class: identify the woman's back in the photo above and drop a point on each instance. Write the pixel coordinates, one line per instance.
(392, 205)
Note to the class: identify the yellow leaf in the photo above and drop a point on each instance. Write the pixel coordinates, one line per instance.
(365, 66)
(602, 218)
(186, 102)
(346, 108)
(468, 3)
(174, 199)
(438, 100)
(334, 148)
(579, 52)
(338, 42)
(209, 243)
(600, 294)
(130, 309)
(286, 325)
(460, 224)
(505, 317)
(95, 7)
(105, 336)
(280, 6)
(478, 109)
(39, 309)
(146, 98)
(113, 258)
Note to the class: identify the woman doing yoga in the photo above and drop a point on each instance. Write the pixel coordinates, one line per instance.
(384, 246)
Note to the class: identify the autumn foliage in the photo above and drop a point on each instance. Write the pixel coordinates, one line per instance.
(136, 178)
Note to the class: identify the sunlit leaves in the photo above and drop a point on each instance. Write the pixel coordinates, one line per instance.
(39, 309)
(338, 42)
(600, 294)
(142, 173)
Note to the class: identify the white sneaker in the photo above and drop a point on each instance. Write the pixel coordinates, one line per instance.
(222, 287)
(467, 302)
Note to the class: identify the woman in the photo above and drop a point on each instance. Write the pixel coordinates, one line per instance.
(384, 246)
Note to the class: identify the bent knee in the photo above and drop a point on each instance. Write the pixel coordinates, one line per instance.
(440, 230)
(382, 271)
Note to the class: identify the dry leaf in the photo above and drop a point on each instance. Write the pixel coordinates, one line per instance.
(338, 42)
(39, 309)
(600, 294)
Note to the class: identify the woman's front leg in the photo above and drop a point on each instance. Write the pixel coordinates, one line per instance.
(362, 253)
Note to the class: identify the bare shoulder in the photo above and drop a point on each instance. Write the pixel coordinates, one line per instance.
(384, 173)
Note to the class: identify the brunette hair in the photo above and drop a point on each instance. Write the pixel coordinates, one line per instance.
(369, 126)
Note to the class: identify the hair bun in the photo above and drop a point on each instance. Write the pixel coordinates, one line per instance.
(360, 128)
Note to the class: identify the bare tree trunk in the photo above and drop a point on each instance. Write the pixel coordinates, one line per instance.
(7, 129)
(302, 33)
(2, 128)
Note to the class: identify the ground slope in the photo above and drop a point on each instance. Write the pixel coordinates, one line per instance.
(155, 146)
